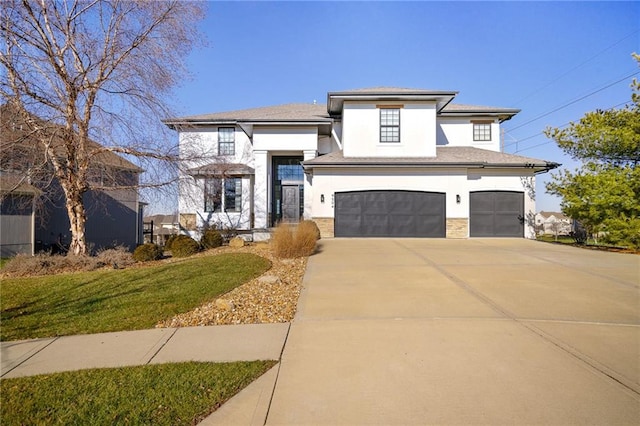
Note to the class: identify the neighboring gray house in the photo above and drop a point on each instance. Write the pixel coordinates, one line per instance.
(17, 216)
(113, 208)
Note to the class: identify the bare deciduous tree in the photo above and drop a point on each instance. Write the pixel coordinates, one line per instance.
(93, 70)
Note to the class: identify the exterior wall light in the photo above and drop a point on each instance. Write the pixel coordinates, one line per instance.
(458, 198)
(322, 198)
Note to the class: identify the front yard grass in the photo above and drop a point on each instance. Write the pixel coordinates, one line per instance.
(166, 394)
(116, 300)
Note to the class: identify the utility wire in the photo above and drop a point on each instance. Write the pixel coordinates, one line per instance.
(576, 67)
(559, 127)
(575, 101)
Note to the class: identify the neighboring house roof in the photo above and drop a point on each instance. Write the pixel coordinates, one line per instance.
(557, 215)
(15, 132)
(222, 169)
(162, 218)
(445, 157)
(16, 185)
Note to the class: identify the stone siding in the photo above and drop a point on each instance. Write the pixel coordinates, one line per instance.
(457, 227)
(325, 224)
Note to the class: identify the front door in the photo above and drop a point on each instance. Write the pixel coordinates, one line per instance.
(290, 203)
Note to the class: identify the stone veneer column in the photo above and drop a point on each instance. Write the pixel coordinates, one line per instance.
(457, 227)
(325, 224)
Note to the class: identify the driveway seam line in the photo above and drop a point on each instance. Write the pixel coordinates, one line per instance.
(275, 382)
(548, 338)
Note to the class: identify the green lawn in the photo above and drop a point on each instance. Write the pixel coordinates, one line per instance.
(114, 300)
(167, 394)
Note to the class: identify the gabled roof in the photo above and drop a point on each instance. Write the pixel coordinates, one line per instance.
(15, 134)
(446, 156)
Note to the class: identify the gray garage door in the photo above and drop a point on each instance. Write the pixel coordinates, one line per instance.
(496, 214)
(389, 214)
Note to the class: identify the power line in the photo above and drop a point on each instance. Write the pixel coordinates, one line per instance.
(518, 141)
(576, 67)
(575, 100)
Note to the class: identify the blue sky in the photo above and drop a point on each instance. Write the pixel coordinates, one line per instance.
(536, 56)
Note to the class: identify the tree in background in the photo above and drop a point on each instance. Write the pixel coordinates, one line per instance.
(604, 194)
(93, 71)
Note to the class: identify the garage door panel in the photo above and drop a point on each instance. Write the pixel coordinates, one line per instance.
(389, 214)
(496, 214)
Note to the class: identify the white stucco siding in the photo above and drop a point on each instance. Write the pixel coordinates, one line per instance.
(199, 148)
(285, 138)
(361, 131)
(459, 132)
(329, 181)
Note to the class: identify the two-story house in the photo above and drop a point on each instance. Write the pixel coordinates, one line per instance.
(378, 162)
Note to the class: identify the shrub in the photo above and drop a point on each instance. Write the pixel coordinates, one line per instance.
(167, 244)
(147, 252)
(183, 246)
(289, 242)
(211, 238)
(117, 257)
(46, 264)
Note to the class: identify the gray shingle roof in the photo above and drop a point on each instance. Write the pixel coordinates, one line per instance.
(464, 108)
(388, 90)
(287, 112)
(445, 156)
(222, 169)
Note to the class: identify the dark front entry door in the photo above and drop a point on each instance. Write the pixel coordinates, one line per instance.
(290, 203)
(389, 214)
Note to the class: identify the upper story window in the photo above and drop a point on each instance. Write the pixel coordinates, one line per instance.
(482, 131)
(226, 141)
(389, 125)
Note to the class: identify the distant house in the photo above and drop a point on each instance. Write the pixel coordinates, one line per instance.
(552, 223)
(159, 227)
(376, 162)
(113, 208)
(17, 216)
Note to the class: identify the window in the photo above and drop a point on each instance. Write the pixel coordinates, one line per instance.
(482, 131)
(389, 125)
(226, 141)
(212, 195)
(232, 194)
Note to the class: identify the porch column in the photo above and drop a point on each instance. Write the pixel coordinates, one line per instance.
(308, 186)
(261, 189)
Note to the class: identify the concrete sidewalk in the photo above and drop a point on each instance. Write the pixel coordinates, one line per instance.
(128, 348)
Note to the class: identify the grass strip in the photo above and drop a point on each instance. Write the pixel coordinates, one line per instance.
(165, 394)
(116, 300)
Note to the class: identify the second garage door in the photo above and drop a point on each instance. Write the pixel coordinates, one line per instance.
(390, 214)
(496, 214)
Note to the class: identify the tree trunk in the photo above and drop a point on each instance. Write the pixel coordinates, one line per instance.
(77, 221)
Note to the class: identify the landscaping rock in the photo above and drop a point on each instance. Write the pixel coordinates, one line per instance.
(224, 304)
(271, 298)
(236, 242)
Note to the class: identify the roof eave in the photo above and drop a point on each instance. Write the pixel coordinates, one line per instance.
(335, 100)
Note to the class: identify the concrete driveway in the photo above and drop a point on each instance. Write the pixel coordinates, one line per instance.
(480, 331)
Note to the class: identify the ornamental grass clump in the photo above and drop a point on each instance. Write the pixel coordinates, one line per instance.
(290, 242)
